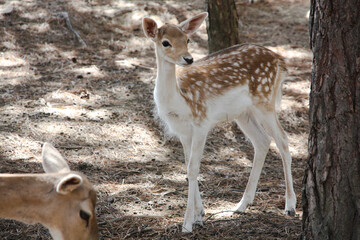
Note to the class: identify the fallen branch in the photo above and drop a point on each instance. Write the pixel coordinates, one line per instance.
(146, 229)
(213, 214)
(65, 15)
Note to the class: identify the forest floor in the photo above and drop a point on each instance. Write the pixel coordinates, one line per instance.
(95, 104)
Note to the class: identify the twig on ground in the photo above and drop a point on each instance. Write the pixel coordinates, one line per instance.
(65, 15)
(143, 66)
(216, 214)
(138, 231)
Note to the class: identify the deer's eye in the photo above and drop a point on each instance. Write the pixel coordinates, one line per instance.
(85, 216)
(166, 43)
(188, 41)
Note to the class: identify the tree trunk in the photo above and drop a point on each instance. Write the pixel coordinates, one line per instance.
(222, 24)
(331, 197)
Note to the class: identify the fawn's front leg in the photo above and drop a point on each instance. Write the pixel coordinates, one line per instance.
(194, 209)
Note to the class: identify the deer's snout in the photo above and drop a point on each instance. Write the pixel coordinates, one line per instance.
(188, 60)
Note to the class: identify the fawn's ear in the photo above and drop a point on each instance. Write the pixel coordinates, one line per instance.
(150, 28)
(69, 183)
(52, 161)
(192, 24)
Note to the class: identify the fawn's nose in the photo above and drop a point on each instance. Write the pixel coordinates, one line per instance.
(188, 60)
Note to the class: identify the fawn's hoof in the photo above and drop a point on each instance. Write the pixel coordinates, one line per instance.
(290, 212)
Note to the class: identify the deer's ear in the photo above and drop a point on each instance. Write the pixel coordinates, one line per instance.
(69, 183)
(150, 28)
(52, 161)
(191, 25)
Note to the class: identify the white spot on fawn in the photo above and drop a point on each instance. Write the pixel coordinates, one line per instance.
(197, 95)
(215, 85)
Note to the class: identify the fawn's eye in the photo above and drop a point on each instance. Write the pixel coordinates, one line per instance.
(166, 43)
(188, 41)
(85, 216)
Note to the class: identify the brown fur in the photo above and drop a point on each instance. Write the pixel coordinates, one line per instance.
(251, 65)
(32, 198)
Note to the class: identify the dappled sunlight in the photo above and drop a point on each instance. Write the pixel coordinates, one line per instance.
(244, 162)
(106, 11)
(14, 78)
(123, 187)
(298, 145)
(52, 52)
(66, 111)
(132, 17)
(48, 47)
(5, 9)
(122, 3)
(128, 62)
(176, 177)
(65, 98)
(54, 129)
(81, 6)
(68, 54)
(36, 27)
(11, 59)
(10, 44)
(92, 70)
(138, 44)
(141, 135)
(120, 138)
(98, 114)
(220, 209)
(22, 148)
(33, 15)
(227, 153)
(289, 52)
(298, 90)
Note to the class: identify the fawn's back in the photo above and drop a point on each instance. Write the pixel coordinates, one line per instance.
(253, 68)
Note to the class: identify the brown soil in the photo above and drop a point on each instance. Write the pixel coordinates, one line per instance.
(95, 105)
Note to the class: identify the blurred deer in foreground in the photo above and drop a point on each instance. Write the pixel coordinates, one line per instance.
(61, 200)
(241, 83)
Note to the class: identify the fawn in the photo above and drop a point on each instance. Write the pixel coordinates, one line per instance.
(61, 200)
(241, 83)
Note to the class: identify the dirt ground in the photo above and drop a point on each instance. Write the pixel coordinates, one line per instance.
(95, 104)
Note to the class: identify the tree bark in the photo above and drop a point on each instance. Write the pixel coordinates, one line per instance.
(222, 24)
(331, 196)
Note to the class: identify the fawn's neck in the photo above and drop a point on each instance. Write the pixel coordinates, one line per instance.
(25, 197)
(165, 86)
